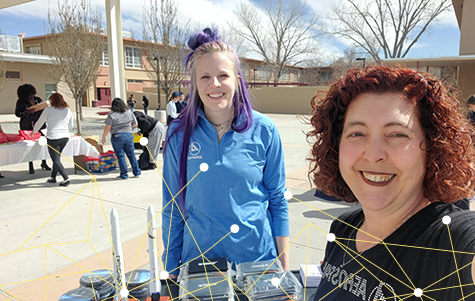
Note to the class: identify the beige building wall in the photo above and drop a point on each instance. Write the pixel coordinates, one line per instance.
(284, 100)
(30, 73)
(466, 73)
(467, 28)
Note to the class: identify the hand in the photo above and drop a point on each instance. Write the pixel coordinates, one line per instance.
(32, 134)
(103, 141)
(31, 110)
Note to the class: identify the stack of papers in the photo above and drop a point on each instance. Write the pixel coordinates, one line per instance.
(265, 287)
(215, 288)
(311, 275)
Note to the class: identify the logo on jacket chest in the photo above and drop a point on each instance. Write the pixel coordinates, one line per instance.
(194, 150)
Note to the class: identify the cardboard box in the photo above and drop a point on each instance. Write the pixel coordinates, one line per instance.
(105, 163)
(79, 160)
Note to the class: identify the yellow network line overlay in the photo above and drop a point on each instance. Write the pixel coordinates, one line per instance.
(349, 251)
(174, 204)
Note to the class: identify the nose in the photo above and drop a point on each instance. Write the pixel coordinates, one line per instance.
(375, 151)
(215, 82)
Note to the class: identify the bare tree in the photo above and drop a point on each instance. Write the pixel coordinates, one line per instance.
(390, 27)
(164, 45)
(289, 35)
(75, 47)
(342, 64)
(3, 67)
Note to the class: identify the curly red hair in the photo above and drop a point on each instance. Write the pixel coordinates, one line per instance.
(450, 154)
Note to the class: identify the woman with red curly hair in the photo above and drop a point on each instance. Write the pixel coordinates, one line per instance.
(395, 141)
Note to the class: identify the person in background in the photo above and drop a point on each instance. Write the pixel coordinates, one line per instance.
(395, 141)
(179, 104)
(59, 119)
(145, 103)
(1, 131)
(172, 107)
(28, 117)
(131, 102)
(119, 123)
(242, 152)
(465, 202)
(153, 130)
(471, 109)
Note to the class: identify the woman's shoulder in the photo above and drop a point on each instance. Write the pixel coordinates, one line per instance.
(261, 119)
(352, 218)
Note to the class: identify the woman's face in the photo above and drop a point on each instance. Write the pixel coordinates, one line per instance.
(216, 82)
(380, 155)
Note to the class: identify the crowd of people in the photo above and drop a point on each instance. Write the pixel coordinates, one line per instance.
(392, 139)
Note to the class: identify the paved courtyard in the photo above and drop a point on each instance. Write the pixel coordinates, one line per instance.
(53, 235)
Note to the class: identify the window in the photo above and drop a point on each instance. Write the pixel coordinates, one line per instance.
(12, 74)
(49, 89)
(36, 49)
(105, 57)
(263, 72)
(134, 81)
(133, 58)
(285, 74)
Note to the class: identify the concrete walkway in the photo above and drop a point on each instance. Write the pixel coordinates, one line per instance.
(52, 235)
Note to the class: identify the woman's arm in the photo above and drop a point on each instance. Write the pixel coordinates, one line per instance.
(173, 223)
(106, 131)
(41, 121)
(21, 109)
(282, 243)
(274, 179)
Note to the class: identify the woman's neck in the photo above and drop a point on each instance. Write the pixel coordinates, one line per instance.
(218, 118)
(221, 121)
(378, 226)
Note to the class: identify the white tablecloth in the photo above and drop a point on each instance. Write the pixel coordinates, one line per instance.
(25, 151)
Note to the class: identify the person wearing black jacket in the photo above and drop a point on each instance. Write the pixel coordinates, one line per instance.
(145, 103)
(152, 129)
(29, 116)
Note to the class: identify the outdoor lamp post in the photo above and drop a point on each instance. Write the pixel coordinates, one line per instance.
(362, 59)
(156, 58)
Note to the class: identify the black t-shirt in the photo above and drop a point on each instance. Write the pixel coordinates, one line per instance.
(417, 255)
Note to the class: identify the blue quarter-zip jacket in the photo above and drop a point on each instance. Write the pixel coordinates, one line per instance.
(244, 185)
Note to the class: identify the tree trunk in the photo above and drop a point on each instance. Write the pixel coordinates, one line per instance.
(78, 114)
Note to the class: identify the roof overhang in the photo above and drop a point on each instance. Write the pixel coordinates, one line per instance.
(8, 3)
(444, 61)
(25, 58)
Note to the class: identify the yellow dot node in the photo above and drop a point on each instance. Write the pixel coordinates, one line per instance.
(288, 195)
(164, 275)
(204, 167)
(143, 141)
(42, 141)
(331, 237)
(275, 281)
(446, 219)
(418, 292)
(235, 228)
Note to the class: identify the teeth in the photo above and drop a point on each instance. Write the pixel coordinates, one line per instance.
(216, 95)
(376, 178)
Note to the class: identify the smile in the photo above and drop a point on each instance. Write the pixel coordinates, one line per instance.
(377, 178)
(216, 95)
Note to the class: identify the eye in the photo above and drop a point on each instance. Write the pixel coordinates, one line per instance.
(205, 77)
(356, 134)
(224, 76)
(399, 135)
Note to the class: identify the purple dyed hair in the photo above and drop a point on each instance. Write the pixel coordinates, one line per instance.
(203, 42)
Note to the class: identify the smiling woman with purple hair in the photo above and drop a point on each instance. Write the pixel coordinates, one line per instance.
(241, 152)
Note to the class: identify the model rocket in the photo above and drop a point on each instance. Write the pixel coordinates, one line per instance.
(119, 273)
(152, 252)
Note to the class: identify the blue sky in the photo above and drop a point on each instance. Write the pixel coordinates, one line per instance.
(30, 18)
